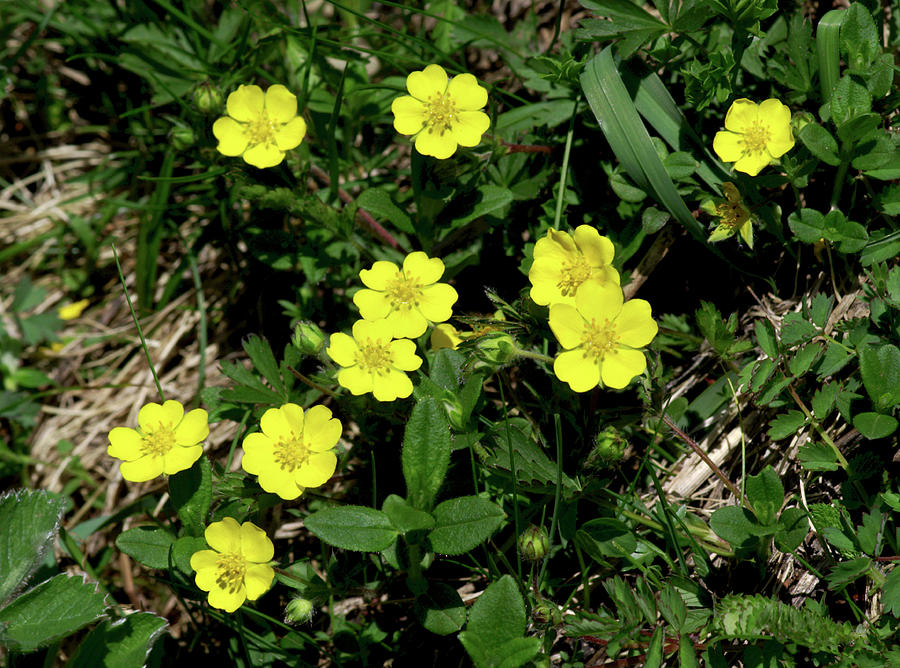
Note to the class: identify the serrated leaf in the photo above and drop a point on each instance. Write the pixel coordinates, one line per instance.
(191, 494)
(379, 203)
(869, 532)
(464, 523)
(353, 528)
(823, 400)
(848, 571)
(891, 592)
(804, 358)
(817, 457)
(426, 452)
(796, 329)
(765, 337)
(786, 424)
(147, 545)
(531, 464)
(260, 353)
(440, 609)
(29, 521)
(52, 610)
(880, 370)
(124, 642)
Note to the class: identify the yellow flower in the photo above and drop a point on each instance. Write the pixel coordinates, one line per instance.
(600, 336)
(439, 113)
(166, 441)
(563, 262)
(754, 135)
(373, 362)
(407, 298)
(73, 310)
(236, 568)
(445, 335)
(294, 451)
(259, 126)
(734, 216)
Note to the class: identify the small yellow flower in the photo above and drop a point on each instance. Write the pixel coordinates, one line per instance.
(563, 262)
(407, 298)
(755, 135)
(734, 216)
(372, 362)
(445, 335)
(440, 113)
(294, 451)
(600, 336)
(166, 441)
(259, 126)
(236, 568)
(73, 310)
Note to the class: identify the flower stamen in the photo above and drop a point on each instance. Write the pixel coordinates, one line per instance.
(404, 293)
(261, 130)
(159, 441)
(230, 571)
(291, 455)
(756, 138)
(574, 272)
(599, 338)
(374, 357)
(440, 113)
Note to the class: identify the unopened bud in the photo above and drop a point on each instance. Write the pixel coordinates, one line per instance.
(183, 138)
(533, 543)
(496, 348)
(609, 449)
(545, 613)
(208, 99)
(298, 611)
(309, 338)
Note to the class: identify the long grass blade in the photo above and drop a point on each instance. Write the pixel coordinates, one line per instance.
(828, 48)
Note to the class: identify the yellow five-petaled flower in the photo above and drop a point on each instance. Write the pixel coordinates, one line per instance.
(601, 336)
(754, 135)
(236, 568)
(259, 126)
(372, 362)
(294, 450)
(733, 215)
(407, 298)
(166, 441)
(563, 262)
(441, 114)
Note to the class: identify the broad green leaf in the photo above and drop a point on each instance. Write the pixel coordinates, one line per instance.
(52, 610)
(859, 39)
(29, 521)
(808, 225)
(820, 143)
(463, 523)
(796, 329)
(672, 607)
(494, 634)
(191, 494)
(848, 571)
(849, 100)
(736, 525)
(404, 517)
(875, 425)
(124, 642)
(353, 528)
(532, 466)
(793, 526)
(873, 151)
(869, 532)
(880, 370)
(804, 358)
(379, 203)
(891, 592)
(766, 494)
(523, 118)
(147, 545)
(882, 246)
(823, 400)
(491, 200)
(765, 337)
(606, 537)
(440, 609)
(183, 549)
(426, 452)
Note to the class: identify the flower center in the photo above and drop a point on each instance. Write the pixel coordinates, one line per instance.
(374, 357)
(732, 214)
(440, 113)
(230, 570)
(261, 130)
(599, 338)
(292, 454)
(159, 441)
(574, 273)
(756, 138)
(404, 293)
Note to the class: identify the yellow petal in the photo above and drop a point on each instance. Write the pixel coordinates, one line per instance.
(295, 418)
(403, 355)
(382, 274)
(781, 140)
(409, 115)
(567, 325)
(752, 164)
(545, 276)
(556, 244)
(274, 424)
(635, 327)
(193, 428)
(231, 136)
(773, 114)
(620, 366)
(263, 155)
(394, 385)
(73, 310)
(226, 600)
(423, 269)
(746, 232)
(597, 250)
(258, 579)
(258, 453)
(342, 349)
(276, 480)
(741, 115)
(224, 536)
(406, 322)
(372, 330)
(140, 470)
(246, 103)
(466, 93)
(318, 469)
(255, 544)
(290, 135)
(125, 444)
(204, 559)
(728, 146)
(356, 380)
(153, 416)
(436, 302)
(598, 301)
(444, 336)
(428, 82)
(469, 127)
(281, 105)
(440, 146)
(579, 371)
(181, 458)
(322, 431)
(372, 304)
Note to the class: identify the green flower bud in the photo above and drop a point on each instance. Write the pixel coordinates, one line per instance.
(183, 138)
(545, 613)
(208, 99)
(609, 449)
(533, 543)
(495, 348)
(298, 611)
(801, 119)
(308, 338)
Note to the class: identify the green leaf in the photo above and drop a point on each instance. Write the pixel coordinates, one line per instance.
(378, 202)
(463, 523)
(653, 219)
(52, 610)
(29, 521)
(183, 549)
(869, 533)
(828, 50)
(124, 642)
(606, 537)
(736, 525)
(823, 400)
(260, 353)
(873, 151)
(849, 100)
(848, 571)
(891, 592)
(426, 452)
(817, 457)
(765, 337)
(191, 494)
(440, 609)
(880, 77)
(808, 225)
(672, 607)
(766, 494)
(404, 517)
(493, 636)
(147, 545)
(820, 143)
(532, 466)
(875, 425)
(880, 370)
(860, 43)
(796, 329)
(793, 526)
(803, 359)
(491, 200)
(786, 424)
(353, 528)
(882, 247)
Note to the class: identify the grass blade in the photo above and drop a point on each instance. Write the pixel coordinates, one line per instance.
(828, 48)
